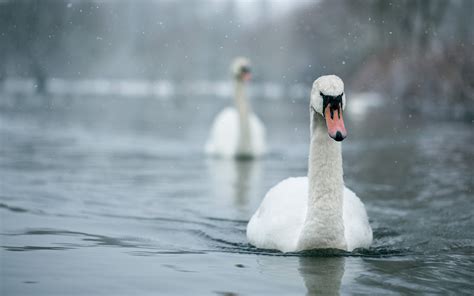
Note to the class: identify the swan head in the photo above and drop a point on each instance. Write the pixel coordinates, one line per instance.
(240, 69)
(328, 99)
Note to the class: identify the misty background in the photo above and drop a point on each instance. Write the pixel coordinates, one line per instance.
(105, 108)
(410, 52)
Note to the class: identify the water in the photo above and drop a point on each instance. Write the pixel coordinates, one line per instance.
(113, 196)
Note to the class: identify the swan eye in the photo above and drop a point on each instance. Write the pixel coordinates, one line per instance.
(321, 94)
(245, 69)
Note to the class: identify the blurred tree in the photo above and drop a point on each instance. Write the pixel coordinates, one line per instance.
(31, 37)
(405, 48)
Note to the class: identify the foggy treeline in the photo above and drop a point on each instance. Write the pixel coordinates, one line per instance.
(407, 49)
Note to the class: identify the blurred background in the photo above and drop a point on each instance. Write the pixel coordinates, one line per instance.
(411, 51)
(105, 107)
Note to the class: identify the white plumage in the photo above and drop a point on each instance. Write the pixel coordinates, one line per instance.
(237, 132)
(278, 222)
(225, 135)
(318, 211)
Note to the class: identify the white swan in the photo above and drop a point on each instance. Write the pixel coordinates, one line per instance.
(318, 211)
(237, 132)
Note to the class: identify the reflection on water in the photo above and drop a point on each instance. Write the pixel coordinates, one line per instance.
(235, 179)
(120, 190)
(322, 275)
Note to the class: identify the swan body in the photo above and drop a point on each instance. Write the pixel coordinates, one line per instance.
(278, 222)
(225, 136)
(317, 211)
(237, 132)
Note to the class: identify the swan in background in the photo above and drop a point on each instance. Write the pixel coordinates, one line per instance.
(237, 132)
(317, 211)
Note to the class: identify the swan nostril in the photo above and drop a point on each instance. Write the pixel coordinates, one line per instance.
(338, 136)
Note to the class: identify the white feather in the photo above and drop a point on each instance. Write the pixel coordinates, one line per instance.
(225, 135)
(237, 132)
(318, 211)
(278, 222)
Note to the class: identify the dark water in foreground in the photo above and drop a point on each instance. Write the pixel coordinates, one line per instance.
(110, 196)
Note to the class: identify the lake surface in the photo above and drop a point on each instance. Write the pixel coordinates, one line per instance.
(114, 196)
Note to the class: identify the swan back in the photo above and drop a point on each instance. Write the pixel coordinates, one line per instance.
(225, 133)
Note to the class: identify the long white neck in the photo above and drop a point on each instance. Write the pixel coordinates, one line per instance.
(324, 226)
(243, 108)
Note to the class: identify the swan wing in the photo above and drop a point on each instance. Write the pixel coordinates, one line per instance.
(357, 230)
(278, 221)
(224, 137)
(224, 133)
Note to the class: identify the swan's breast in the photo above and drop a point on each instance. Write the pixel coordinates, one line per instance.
(278, 221)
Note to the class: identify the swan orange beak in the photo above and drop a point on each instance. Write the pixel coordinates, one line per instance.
(246, 76)
(335, 122)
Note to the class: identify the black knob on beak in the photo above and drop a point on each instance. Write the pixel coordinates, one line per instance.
(339, 136)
